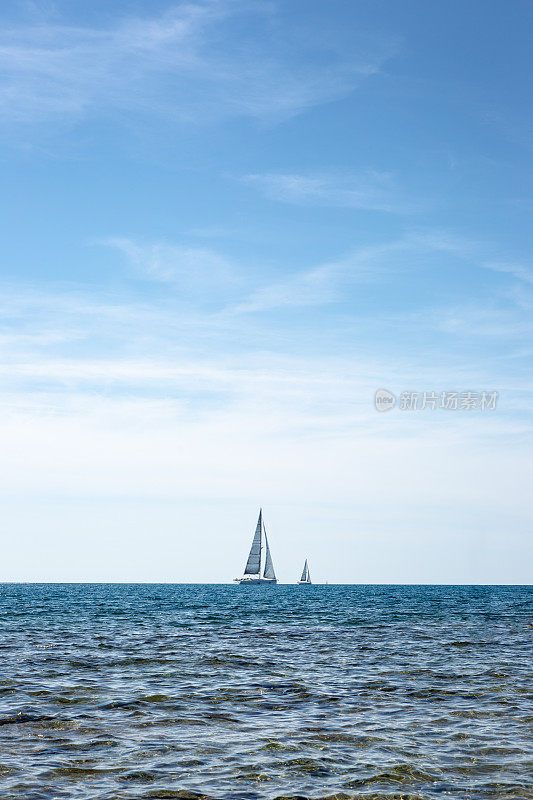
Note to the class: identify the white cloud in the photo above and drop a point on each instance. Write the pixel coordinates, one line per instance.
(195, 269)
(518, 271)
(197, 61)
(203, 273)
(325, 283)
(309, 288)
(487, 320)
(370, 190)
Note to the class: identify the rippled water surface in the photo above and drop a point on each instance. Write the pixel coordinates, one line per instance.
(160, 691)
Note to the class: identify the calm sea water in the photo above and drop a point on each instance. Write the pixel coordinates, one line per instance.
(161, 691)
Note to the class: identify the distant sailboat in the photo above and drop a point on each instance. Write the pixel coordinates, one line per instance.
(306, 577)
(252, 571)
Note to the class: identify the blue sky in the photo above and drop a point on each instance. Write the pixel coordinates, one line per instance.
(225, 225)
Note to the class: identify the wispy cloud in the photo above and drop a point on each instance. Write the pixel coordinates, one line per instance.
(370, 190)
(197, 61)
(193, 269)
(518, 271)
(482, 320)
(205, 274)
(324, 283)
(161, 340)
(111, 348)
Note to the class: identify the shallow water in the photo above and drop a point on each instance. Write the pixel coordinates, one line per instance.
(162, 691)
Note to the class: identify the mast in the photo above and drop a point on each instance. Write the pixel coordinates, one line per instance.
(253, 565)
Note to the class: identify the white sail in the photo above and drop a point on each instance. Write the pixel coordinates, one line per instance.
(306, 577)
(253, 565)
(269, 566)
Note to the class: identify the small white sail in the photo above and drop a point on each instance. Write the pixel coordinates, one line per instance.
(269, 566)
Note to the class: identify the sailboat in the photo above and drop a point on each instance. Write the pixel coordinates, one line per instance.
(252, 570)
(306, 577)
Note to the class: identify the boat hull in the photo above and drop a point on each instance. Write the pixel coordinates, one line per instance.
(256, 581)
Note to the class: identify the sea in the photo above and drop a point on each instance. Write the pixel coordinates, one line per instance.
(122, 691)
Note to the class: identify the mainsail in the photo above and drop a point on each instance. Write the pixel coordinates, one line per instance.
(269, 566)
(253, 565)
